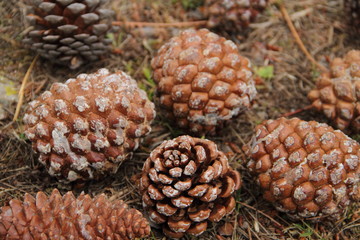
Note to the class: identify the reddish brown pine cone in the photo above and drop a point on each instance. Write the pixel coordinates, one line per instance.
(85, 128)
(232, 14)
(187, 182)
(69, 32)
(202, 80)
(306, 169)
(67, 217)
(337, 92)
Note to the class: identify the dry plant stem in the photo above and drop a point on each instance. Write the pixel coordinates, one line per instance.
(280, 5)
(262, 213)
(288, 114)
(160, 25)
(22, 89)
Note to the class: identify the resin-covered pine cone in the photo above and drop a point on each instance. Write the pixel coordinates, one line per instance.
(187, 182)
(306, 169)
(85, 128)
(337, 92)
(67, 217)
(232, 14)
(69, 32)
(202, 80)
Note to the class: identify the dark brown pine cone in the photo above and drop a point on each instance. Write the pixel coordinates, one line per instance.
(186, 183)
(67, 217)
(232, 14)
(69, 32)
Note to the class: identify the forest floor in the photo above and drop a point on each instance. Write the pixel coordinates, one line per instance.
(284, 77)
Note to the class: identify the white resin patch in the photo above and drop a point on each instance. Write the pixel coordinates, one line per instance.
(80, 125)
(79, 162)
(352, 161)
(61, 144)
(42, 111)
(81, 142)
(60, 106)
(81, 103)
(299, 194)
(102, 103)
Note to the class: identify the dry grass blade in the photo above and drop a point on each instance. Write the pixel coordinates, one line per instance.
(297, 38)
(262, 213)
(22, 89)
(160, 25)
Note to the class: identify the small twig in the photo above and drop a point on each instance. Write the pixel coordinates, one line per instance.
(22, 89)
(160, 25)
(257, 210)
(288, 114)
(280, 5)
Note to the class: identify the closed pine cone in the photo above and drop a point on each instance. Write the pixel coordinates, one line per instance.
(337, 92)
(232, 14)
(306, 169)
(187, 182)
(202, 80)
(67, 217)
(69, 32)
(85, 128)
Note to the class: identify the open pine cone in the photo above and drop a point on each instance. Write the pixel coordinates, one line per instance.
(232, 14)
(85, 128)
(67, 217)
(306, 169)
(187, 182)
(202, 80)
(337, 92)
(69, 32)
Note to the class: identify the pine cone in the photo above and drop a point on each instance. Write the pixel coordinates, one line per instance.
(232, 14)
(85, 128)
(67, 217)
(306, 169)
(337, 92)
(352, 10)
(69, 32)
(185, 183)
(202, 80)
